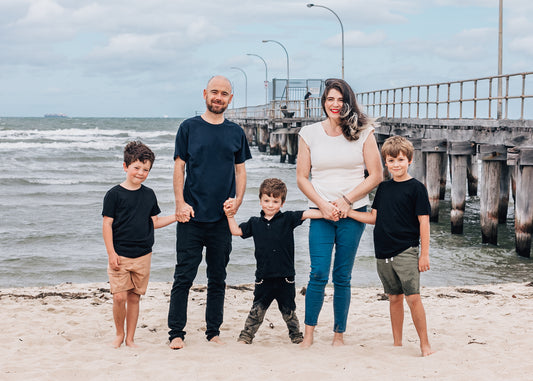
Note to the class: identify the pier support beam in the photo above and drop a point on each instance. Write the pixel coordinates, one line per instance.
(274, 144)
(262, 137)
(380, 139)
(435, 151)
(504, 194)
(472, 175)
(418, 168)
(523, 160)
(282, 137)
(292, 147)
(459, 153)
(493, 158)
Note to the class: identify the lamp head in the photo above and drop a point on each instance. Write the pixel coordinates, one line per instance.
(310, 5)
(265, 40)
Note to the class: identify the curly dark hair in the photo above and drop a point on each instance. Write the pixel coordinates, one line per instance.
(137, 150)
(274, 188)
(353, 120)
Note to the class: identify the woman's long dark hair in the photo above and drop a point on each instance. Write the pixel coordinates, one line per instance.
(353, 120)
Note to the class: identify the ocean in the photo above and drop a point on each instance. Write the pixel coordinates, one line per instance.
(57, 171)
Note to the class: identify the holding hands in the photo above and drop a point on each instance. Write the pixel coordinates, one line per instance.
(230, 207)
(184, 212)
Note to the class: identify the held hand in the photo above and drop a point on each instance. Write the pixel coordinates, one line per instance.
(342, 206)
(330, 212)
(231, 207)
(184, 212)
(423, 263)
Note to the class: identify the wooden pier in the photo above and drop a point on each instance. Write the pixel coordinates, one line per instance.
(501, 148)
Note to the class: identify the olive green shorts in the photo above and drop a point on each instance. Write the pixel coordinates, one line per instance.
(399, 274)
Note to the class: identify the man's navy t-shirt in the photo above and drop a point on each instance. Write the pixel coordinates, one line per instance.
(210, 152)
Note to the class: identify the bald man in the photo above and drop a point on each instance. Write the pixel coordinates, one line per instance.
(212, 151)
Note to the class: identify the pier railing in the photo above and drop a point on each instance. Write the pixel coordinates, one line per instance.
(279, 109)
(465, 99)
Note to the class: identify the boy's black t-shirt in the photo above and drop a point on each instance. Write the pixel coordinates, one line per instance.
(398, 205)
(132, 211)
(274, 243)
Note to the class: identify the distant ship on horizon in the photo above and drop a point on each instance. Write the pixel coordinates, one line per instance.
(56, 115)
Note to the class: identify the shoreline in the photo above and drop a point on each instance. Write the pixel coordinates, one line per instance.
(63, 332)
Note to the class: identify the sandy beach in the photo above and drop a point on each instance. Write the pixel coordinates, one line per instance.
(63, 333)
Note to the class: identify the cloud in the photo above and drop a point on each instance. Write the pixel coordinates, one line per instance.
(523, 45)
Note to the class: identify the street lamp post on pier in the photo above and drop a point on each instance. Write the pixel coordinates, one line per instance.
(500, 60)
(266, 74)
(287, 54)
(245, 87)
(342, 31)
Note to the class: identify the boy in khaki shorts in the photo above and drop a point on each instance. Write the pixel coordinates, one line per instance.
(130, 215)
(400, 211)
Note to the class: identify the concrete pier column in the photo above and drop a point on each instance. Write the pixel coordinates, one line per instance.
(442, 178)
(523, 205)
(493, 157)
(459, 152)
(250, 132)
(418, 168)
(282, 146)
(292, 147)
(274, 144)
(503, 206)
(262, 137)
(380, 139)
(472, 175)
(435, 151)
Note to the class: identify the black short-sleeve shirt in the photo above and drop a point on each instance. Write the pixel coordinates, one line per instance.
(210, 152)
(132, 211)
(274, 243)
(398, 205)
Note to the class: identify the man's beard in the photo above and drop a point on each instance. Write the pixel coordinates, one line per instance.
(211, 107)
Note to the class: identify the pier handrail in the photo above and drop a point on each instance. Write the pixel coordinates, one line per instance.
(463, 99)
(423, 101)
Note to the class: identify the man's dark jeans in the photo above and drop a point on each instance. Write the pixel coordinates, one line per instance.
(191, 238)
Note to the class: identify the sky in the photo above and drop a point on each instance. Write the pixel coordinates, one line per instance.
(153, 58)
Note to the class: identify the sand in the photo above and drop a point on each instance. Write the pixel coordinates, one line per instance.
(63, 333)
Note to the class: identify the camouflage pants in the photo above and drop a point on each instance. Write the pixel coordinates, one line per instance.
(266, 291)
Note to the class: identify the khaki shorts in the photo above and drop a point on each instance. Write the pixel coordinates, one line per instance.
(132, 275)
(400, 274)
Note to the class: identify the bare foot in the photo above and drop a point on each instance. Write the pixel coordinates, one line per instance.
(176, 343)
(119, 339)
(217, 340)
(306, 342)
(338, 340)
(131, 344)
(242, 342)
(426, 351)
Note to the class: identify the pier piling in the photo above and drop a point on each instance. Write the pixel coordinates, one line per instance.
(460, 152)
(524, 204)
(493, 157)
(435, 152)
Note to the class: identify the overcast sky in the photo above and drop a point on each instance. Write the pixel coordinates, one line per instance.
(152, 58)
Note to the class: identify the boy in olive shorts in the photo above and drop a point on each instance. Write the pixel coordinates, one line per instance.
(130, 215)
(400, 211)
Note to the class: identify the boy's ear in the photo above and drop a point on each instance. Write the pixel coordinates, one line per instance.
(124, 166)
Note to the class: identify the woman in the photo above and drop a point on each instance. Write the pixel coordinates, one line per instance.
(335, 152)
